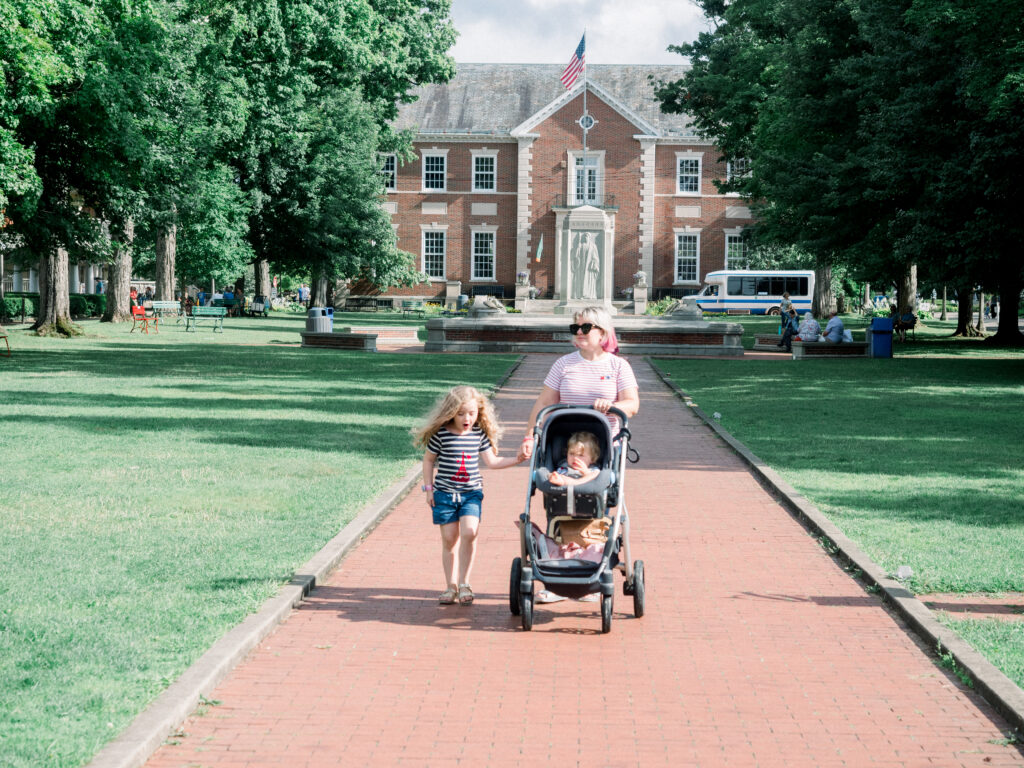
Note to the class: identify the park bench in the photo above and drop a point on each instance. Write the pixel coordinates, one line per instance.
(766, 342)
(360, 304)
(166, 308)
(232, 307)
(803, 350)
(214, 314)
(141, 319)
(413, 307)
(905, 322)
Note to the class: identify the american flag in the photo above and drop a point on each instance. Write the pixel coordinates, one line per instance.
(576, 64)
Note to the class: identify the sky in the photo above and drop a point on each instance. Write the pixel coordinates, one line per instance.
(548, 31)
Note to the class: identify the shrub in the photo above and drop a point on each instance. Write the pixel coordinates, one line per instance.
(660, 306)
(11, 306)
(79, 306)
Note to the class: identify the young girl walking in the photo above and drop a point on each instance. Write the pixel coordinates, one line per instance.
(460, 432)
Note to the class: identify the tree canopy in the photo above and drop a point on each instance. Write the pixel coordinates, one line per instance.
(880, 133)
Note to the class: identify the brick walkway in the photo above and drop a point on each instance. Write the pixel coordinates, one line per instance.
(757, 649)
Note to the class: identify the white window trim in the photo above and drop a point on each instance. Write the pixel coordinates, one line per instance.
(394, 175)
(729, 175)
(699, 157)
(734, 232)
(432, 152)
(486, 228)
(570, 192)
(675, 255)
(424, 228)
(485, 152)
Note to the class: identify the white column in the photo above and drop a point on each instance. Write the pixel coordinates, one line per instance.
(16, 275)
(74, 279)
(33, 281)
(647, 179)
(90, 279)
(524, 193)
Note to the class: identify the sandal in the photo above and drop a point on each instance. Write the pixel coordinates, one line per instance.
(448, 597)
(465, 594)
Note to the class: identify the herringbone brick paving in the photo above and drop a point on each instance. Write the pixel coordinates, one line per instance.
(757, 649)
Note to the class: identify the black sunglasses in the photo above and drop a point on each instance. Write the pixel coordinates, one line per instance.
(585, 327)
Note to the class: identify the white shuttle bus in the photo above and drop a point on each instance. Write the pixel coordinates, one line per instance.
(757, 291)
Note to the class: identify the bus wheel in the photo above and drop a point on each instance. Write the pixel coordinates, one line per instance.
(774, 311)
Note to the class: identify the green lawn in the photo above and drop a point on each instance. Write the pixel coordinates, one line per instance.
(156, 489)
(918, 459)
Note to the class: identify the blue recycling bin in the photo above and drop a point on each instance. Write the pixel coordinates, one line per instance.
(879, 337)
(462, 301)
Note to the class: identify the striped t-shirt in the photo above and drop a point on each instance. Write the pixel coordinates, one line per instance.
(458, 459)
(579, 381)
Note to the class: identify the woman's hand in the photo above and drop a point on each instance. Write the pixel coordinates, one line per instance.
(602, 404)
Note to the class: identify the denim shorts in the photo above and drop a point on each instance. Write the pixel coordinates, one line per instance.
(449, 507)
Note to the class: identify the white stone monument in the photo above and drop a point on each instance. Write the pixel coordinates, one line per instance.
(584, 255)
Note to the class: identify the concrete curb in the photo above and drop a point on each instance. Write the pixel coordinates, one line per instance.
(1001, 692)
(155, 723)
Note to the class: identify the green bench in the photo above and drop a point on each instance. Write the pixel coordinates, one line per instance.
(214, 314)
(232, 306)
(413, 307)
(163, 309)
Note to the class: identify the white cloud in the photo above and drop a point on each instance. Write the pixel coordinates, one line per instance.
(547, 31)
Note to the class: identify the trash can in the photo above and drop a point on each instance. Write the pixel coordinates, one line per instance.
(318, 321)
(879, 337)
(463, 300)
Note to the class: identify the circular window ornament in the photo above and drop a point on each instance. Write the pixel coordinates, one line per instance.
(587, 122)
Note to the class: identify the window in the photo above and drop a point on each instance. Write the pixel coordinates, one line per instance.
(735, 252)
(586, 182)
(737, 169)
(389, 170)
(434, 172)
(483, 255)
(687, 174)
(687, 248)
(484, 173)
(434, 249)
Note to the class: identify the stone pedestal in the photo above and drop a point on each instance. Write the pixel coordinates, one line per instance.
(452, 290)
(584, 255)
(640, 299)
(686, 309)
(522, 300)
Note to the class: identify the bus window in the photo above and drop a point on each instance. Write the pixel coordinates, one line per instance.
(741, 286)
(709, 290)
(778, 286)
(764, 285)
(797, 286)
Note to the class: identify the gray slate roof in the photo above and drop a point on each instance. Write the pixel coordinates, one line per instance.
(494, 98)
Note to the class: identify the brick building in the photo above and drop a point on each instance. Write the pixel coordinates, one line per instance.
(499, 160)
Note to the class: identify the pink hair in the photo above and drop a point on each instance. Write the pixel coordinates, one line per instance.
(599, 316)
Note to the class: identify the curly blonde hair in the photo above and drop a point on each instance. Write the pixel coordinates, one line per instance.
(447, 408)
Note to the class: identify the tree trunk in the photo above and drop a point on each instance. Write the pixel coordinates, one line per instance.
(261, 270)
(319, 297)
(1007, 326)
(866, 304)
(166, 252)
(908, 290)
(119, 307)
(965, 313)
(943, 316)
(980, 325)
(54, 315)
(824, 297)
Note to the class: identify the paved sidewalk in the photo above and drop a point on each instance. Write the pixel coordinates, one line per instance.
(757, 649)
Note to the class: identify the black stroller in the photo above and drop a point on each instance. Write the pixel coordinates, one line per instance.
(569, 576)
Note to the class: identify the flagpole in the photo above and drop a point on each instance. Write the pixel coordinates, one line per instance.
(584, 110)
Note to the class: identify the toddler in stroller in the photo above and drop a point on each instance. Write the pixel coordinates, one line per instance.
(588, 510)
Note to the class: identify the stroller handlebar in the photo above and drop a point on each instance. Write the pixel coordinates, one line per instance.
(563, 406)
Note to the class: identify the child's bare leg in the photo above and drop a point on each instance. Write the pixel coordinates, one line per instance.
(449, 539)
(469, 525)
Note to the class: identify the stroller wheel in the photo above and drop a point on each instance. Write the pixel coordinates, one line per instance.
(526, 606)
(638, 588)
(606, 614)
(513, 585)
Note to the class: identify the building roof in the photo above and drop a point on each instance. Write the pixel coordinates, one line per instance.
(495, 98)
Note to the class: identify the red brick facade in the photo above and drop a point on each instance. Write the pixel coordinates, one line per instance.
(620, 139)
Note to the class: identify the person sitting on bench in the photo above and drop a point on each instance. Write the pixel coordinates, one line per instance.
(833, 332)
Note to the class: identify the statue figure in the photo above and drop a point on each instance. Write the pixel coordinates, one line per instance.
(579, 266)
(592, 276)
